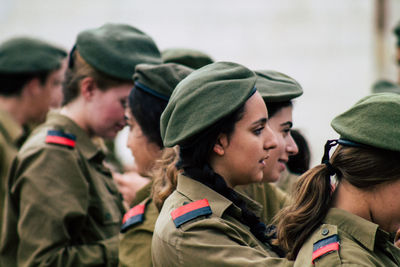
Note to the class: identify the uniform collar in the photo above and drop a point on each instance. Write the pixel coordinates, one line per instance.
(83, 141)
(9, 127)
(360, 229)
(195, 190)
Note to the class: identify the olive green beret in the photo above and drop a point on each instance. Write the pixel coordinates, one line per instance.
(383, 86)
(188, 57)
(204, 97)
(26, 55)
(116, 49)
(277, 87)
(159, 80)
(373, 121)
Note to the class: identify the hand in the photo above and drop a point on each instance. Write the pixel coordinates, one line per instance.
(128, 184)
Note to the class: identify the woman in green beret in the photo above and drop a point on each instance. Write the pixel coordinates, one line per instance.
(219, 120)
(351, 222)
(277, 90)
(62, 206)
(153, 85)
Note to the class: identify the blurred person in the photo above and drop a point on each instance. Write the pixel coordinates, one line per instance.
(30, 74)
(62, 206)
(278, 91)
(350, 222)
(297, 164)
(130, 181)
(153, 85)
(219, 121)
(191, 58)
(391, 86)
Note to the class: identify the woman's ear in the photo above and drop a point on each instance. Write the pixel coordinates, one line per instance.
(221, 144)
(88, 87)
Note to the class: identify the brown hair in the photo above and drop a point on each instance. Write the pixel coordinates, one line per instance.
(164, 176)
(79, 69)
(363, 168)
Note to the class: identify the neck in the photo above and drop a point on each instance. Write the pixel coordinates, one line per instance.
(352, 199)
(76, 112)
(15, 107)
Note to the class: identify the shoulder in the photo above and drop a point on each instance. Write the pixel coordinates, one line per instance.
(144, 214)
(276, 194)
(329, 246)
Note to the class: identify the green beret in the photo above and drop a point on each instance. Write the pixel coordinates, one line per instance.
(116, 49)
(27, 55)
(204, 97)
(373, 121)
(159, 80)
(383, 86)
(188, 57)
(277, 87)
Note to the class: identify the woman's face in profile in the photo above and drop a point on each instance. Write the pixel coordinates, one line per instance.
(244, 153)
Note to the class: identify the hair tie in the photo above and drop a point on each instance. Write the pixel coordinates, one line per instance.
(325, 159)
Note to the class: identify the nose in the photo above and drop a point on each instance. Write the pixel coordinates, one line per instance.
(270, 140)
(291, 146)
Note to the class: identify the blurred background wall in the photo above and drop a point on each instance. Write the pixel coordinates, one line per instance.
(335, 49)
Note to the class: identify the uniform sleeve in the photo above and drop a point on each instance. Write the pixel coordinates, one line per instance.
(52, 196)
(209, 243)
(135, 248)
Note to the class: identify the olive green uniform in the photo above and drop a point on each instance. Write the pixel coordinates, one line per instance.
(218, 239)
(362, 243)
(135, 243)
(62, 208)
(269, 196)
(11, 134)
(286, 181)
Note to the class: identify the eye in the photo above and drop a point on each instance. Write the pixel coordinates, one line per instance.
(123, 102)
(259, 130)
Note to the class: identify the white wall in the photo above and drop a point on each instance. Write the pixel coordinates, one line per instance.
(328, 46)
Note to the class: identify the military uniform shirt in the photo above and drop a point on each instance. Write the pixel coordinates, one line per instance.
(62, 206)
(218, 239)
(135, 243)
(269, 196)
(10, 135)
(361, 243)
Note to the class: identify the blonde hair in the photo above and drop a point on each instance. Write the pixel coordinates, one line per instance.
(80, 69)
(165, 176)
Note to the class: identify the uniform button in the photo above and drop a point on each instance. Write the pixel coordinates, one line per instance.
(325, 231)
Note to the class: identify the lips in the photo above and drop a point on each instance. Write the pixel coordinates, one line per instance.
(262, 161)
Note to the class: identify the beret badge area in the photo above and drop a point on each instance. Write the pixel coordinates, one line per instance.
(60, 138)
(190, 211)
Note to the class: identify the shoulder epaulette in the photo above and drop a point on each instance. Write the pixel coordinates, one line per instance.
(60, 138)
(134, 216)
(325, 246)
(190, 211)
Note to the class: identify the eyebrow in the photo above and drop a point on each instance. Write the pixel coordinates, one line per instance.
(260, 121)
(288, 123)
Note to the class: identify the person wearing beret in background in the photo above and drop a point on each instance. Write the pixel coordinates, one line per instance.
(153, 85)
(384, 85)
(351, 222)
(192, 58)
(62, 206)
(277, 91)
(30, 76)
(219, 120)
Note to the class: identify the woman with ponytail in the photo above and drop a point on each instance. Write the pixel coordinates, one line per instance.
(219, 121)
(352, 221)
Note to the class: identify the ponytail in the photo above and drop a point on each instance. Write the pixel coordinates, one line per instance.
(311, 201)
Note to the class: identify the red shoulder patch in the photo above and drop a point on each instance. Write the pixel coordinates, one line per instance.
(190, 211)
(60, 138)
(325, 246)
(134, 216)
